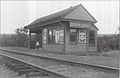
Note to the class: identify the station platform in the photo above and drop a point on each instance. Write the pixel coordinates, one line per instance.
(103, 61)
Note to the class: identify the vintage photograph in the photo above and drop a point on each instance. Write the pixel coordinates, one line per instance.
(59, 39)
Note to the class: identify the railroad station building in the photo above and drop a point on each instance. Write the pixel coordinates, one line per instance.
(69, 31)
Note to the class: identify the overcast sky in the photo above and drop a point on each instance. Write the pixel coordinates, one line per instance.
(15, 14)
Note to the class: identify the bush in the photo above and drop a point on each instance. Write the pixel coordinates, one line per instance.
(108, 42)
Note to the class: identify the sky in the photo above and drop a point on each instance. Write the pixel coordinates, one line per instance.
(16, 14)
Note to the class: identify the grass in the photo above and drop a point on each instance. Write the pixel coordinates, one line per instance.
(113, 53)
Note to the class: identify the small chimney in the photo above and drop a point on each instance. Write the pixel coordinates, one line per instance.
(70, 6)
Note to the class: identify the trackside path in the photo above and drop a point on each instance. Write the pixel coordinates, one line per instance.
(110, 62)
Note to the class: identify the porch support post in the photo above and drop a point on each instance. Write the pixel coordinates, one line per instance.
(64, 49)
(87, 39)
(29, 40)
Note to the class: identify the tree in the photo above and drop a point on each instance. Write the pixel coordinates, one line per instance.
(21, 35)
(108, 42)
(21, 30)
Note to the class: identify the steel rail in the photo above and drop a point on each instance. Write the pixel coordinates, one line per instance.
(37, 67)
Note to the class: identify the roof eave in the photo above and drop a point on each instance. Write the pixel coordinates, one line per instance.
(65, 19)
(33, 25)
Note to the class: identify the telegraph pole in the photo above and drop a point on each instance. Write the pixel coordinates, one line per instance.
(115, 42)
(119, 36)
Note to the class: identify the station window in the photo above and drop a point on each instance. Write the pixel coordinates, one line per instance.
(73, 35)
(91, 38)
(53, 36)
(78, 35)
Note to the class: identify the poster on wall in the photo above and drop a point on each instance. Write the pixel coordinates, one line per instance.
(61, 40)
(57, 37)
(82, 36)
(45, 36)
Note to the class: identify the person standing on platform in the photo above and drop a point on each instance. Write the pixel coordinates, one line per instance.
(37, 45)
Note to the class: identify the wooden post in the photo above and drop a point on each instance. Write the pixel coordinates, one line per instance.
(29, 40)
(87, 39)
(64, 48)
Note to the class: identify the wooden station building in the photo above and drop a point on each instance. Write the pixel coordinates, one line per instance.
(69, 31)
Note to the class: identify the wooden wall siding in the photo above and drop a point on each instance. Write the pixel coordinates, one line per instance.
(53, 47)
(76, 47)
(72, 48)
(92, 48)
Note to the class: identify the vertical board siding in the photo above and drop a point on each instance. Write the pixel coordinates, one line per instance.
(58, 48)
(53, 48)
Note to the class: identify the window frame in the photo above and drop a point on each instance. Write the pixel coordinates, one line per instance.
(76, 41)
(77, 36)
(91, 44)
(53, 36)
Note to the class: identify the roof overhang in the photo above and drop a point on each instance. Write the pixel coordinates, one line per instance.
(39, 25)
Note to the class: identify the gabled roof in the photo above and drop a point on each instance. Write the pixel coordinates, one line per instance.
(77, 12)
(80, 13)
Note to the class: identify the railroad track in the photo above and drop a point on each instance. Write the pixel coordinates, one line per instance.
(60, 68)
(22, 68)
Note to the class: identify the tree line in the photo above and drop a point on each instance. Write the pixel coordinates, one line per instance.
(108, 42)
(19, 39)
